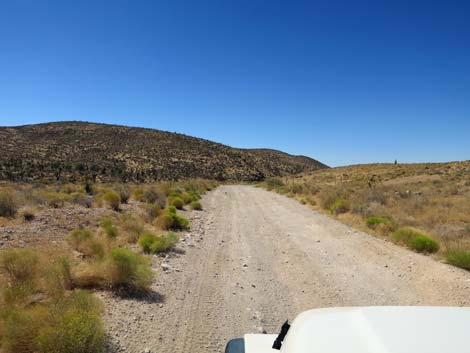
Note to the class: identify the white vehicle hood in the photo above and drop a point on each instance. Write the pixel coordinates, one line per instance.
(380, 330)
(373, 330)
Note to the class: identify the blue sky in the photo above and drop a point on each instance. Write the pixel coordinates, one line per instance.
(344, 82)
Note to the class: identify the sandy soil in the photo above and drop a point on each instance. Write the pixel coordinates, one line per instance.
(254, 259)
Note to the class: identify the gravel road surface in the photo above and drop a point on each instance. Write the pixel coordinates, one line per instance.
(254, 259)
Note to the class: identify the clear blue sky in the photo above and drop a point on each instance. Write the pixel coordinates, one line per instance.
(341, 81)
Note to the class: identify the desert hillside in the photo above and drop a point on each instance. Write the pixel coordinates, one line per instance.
(76, 150)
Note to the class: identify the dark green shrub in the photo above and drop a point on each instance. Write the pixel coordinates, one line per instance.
(129, 270)
(196, 205)
(458, 258)
(8, 206)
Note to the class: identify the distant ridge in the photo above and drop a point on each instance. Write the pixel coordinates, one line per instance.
(72, 151)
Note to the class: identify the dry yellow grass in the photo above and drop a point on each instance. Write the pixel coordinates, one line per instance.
(434, 197)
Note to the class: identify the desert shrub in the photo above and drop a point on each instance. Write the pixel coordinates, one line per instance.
(374, 221)
(152, 211)
(27, 214)
(129, 270)
(124, 193)
(459, 258)
(74, 326)
(151, 243)
(176, 202)
(83, 241)
(138, 193)
(112, 199)
(423, 243)
(132, 226)
(21, 328)
(19, 265)
(55, 199)
(190, 196)
(170, 220)
(8, 205)
(109, 228)
(415, 239)
(328, 197)
(151, 195)
(78, 237)
(340, 206)
(196, 205)
(81, 200)
(274, 183)
(58, 277)
(89, 188)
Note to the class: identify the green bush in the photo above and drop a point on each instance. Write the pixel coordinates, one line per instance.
(112, 199)
(75, 326)
(425, 244)
(416, 240)
(129, 270)
(109, 228)
(458, 258)
(373, 221)
(176, 202)
(151, 243)
(8, 206)
(170, 220)
(196, 205)
(19, 266)
(340, 206)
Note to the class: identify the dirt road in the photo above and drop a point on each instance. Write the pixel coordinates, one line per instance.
(254, 259)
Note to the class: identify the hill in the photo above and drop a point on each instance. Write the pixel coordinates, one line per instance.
(76, 150)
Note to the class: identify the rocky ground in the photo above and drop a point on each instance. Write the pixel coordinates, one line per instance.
(253, 259)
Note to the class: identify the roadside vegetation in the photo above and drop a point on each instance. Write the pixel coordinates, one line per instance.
(425, 207)
(46, 287)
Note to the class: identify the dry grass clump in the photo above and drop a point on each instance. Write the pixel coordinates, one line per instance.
(112, 199)
(132, 226)
(38, 310)
(8, 204)
(196, 205)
